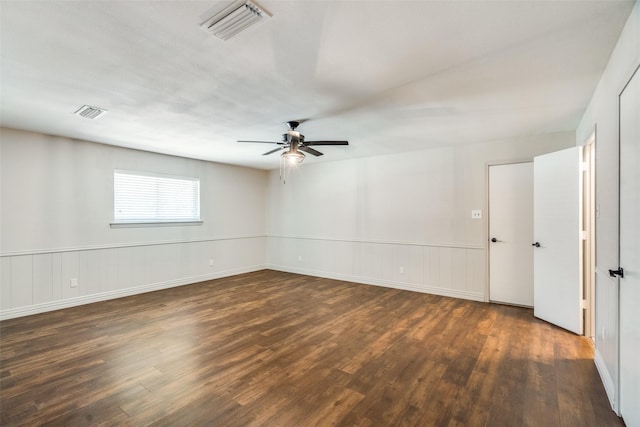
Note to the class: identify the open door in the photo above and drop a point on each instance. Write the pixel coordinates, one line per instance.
(557, 255)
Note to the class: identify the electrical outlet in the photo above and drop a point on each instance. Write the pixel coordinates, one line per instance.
(401, 270)
(210, 262)
(300, 258)
(73, 283)
(476, 214)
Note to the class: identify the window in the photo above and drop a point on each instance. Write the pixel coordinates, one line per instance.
(144, 198)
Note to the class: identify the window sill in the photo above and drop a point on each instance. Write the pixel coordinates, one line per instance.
(154, 224)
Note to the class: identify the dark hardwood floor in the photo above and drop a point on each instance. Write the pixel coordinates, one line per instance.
(279, 349)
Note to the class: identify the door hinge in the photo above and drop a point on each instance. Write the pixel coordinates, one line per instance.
(583, 304)
(583, 166)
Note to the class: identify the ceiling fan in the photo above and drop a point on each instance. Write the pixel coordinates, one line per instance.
(294, 145)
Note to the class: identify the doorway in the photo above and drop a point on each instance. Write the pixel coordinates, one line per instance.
(512, 243)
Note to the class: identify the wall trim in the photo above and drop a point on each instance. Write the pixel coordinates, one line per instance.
(126, 245)
(381, 242)
(425, 289)
(119, 293)
(607, 381)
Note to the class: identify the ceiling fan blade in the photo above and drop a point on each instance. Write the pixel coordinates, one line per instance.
(310, 150)
(273, 151)
(326, 143)
(263, 142)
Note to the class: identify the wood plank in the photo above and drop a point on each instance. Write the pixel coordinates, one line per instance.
(278, 349)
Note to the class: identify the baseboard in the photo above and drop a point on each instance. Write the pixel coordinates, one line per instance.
(607, 381)
(426, 289)
(119, 293)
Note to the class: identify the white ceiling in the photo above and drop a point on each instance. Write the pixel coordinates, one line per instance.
(386, 75)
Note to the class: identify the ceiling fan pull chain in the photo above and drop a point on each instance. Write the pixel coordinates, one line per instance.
(283, 170)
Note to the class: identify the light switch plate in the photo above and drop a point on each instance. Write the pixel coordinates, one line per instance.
(476, 214)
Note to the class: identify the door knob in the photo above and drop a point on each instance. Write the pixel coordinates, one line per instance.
(618, 272)
(536, 244)
(494, 240)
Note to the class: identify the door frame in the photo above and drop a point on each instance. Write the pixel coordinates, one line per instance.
(588, 225)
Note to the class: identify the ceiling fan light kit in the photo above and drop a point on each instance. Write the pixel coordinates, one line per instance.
(293, 157)
(234, 19)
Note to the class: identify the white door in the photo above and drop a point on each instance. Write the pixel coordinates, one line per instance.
(630, 252)
(557, 268)
(511, 233)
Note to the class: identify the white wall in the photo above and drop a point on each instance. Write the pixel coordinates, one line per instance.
(602, 114)
(56, 206)
(401, 220)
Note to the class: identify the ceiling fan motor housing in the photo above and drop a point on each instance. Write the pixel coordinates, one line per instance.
(292, 136)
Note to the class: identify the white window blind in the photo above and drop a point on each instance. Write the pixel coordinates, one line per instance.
(147, 198)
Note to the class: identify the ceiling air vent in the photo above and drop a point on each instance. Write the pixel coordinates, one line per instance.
(235, 18)
(89, 112)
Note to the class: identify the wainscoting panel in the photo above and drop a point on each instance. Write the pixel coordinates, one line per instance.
(5, 280)
(108, 274)
(22, 280)
(70, 270)
(457, 271)
(42, 278)
(45, 281)
(89, 272)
